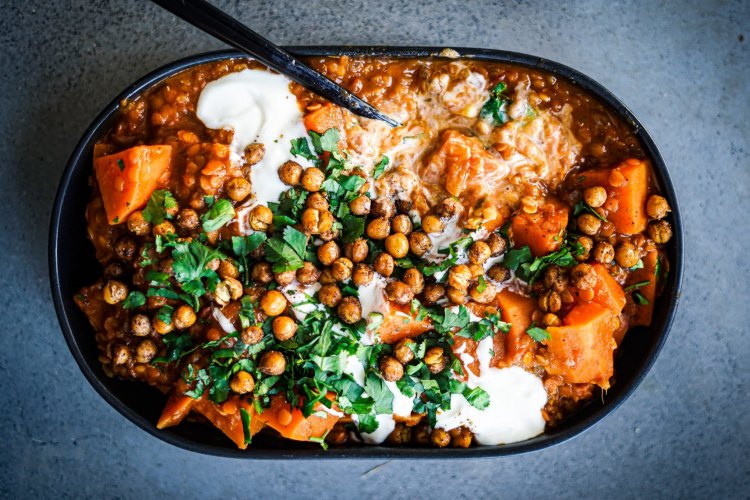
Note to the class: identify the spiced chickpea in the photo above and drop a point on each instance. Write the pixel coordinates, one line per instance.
(272, 363)
(551, 319)
(251, 335)
(556, 278)
(307, 274)
(341, 269)
(140, 325)
(357, 250)
(227, 269)
(126, 248)
(362, 275)
(401, 434)
(273, 303)
(498, 273)
(401, 224)
(497, 244)
(283, 328)
(585, 244)
(440, 438)
(312, 179)
(456, 295)
(595, 196)
(188, 219)
(383, 207)
(657, 207)
(660, 232)
(414, 278)
(360, 205)
(583, 276)
(432, 293)
(479, 252)
(435, 357)
(349, 310)
(183, 317)
(404, 350)
(114, 292)
(155, 302)
(290, 173)
(138, 225)
(399, 292)
(397, 245)
(419, 243)
(448, 208)
(261, 273)
(550, 301)
(378, 229)
(114, 270)
(384, 264)
(222, 295)
(403, 205)
(162, 327)
(234, 287)
(431, 224)
(459, 277)
(461, 437)
(242, 382)
(338, 435)
(328, 252)
(330, 295)
(315, 221)
(146, 351)
(317, 201)
(254, 153)
(238, 188)
(120, 355)
(626, 254)
(483, 293)
(391, 369)
(604, 252)
(163, 228)
(260, 218)
(588, 224)
(421, 434)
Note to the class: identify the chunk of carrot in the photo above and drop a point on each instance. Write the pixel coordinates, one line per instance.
(127, 179)
(516, 310)
(631, 179)
(399, 323)
(644, 312)
(541, 231)
(581, 350)
(292, 424)
(175, 411)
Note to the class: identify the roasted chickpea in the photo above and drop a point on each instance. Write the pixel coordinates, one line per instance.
(362, 274)
(497, 244)
(432, 224)
(421, 434)
(242, 383)
(163, 228)
(440, 438)
(360, 205)
(283, 328)
(551, 319)
(155, 302)
(583, 276)
(391, 369)
(146, 351)
(404, 350)
(432, 293)
(479, 252)
(498, 273)
(595, 196)
(272, 363)
(341, 270)
(261, 273)
(238, 188)
(660, 231)
(384, 264)
(456, 295)
(401, 434)
(338, 435)
(260, 218)
(227, 269)
(234, 286)
(434, 358)
(214, 264)
(550, 301)
(419, 243)
(326, 277)
(315, 221)
(448, 208)
(357, 250)
(307, 274)
(183, 317)
(140, 325)
(460, 437)
(254, 153)
(586, 244)
(401, 224)
(604, 253)
(383, 207)
(414, 278)
(589, 224)
(349, 310)
(137, 224)
(120, 355)
(114, 292)
(459, 277)
(290, 173)
(626, 254)
(378, 229)
(161, 327)
(657, 207)
(483, 293)
(221, 294)
(126, 248)
(114, 270)
(251, 335)
(329, 295)
(312, 179)
(317, 201)
(188, 219)
(403, 205)
(399, 292)
(273, 303)
(397, 245)
(555, 278)
(328, 252)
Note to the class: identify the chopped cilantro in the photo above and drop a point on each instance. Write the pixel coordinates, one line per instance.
(582, 206)
(517, 256)
(477, 397)
(158, 206)
(635, 286)
(133, 300)
(538, 334)
(301, 148)
(380, 167)
(496, 107)
(220, 213)
(640, 299)
(246, 417)
(121, 165)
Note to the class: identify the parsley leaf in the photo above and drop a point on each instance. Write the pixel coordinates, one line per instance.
(296, 239)
(283, 257)
(242, 246)
(380, 393)
(220, 213)
(328, 141)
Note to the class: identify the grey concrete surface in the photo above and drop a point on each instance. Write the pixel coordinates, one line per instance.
(683, 68)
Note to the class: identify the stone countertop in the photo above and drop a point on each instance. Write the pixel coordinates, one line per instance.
(683, 67)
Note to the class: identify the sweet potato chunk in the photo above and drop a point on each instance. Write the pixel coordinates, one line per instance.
(581, 350)
(177, 408)
(541, 231)
(399, 323)
(292, 424)
(608, 292)
(516, 310)
(644, 312)
(127, 179)
(230, 423)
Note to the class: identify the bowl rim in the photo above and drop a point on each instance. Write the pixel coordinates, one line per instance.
(370, 452)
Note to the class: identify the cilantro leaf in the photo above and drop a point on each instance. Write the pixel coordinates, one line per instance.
(538, 334)
(220, 213)
(301, 148)
(380, 393)
(477, 397)
(367, 423)
(246, 417)
(582, 206)
(297, 240)
(327, 141)
(380, 167)
(496, 107)
(282, 256)
(158, 204)
(133, 300)
(242, 246)
(353, 227)
(517, 256)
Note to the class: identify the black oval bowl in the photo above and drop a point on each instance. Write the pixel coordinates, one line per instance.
(73, 265)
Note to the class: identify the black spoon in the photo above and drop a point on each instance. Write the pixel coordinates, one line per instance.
(215, 22)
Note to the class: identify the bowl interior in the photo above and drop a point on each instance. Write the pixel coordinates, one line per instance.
(73, 265)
